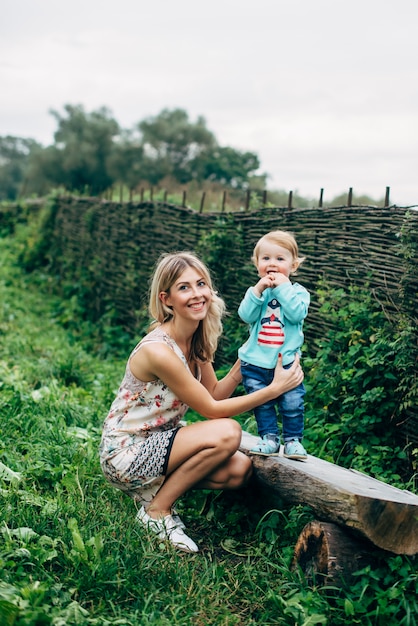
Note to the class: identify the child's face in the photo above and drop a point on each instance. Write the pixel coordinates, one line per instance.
(275, 259)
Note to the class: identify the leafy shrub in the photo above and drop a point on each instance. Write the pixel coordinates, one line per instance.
(353, 390)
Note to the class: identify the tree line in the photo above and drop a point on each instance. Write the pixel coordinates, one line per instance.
(91, 153)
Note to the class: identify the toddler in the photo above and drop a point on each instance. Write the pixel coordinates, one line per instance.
(275, 309)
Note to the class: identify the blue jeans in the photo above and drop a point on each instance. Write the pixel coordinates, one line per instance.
(290, 404)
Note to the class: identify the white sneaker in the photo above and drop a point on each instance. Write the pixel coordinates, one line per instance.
(179, 522)
(169, 529)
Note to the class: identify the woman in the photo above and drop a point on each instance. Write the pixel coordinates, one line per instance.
(145, 451)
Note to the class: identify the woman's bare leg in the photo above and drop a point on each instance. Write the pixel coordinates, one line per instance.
(204, 455)
(231, 475)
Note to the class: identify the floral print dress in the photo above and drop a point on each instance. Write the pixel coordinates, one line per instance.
(139, 429)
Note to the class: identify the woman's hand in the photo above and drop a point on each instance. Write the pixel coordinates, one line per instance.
(287, 379)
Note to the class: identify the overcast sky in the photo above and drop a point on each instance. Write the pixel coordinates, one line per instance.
(324, 91)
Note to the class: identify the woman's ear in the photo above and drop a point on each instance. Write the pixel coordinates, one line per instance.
(164, 297)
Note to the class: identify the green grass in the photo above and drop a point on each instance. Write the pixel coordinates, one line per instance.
(70, 551)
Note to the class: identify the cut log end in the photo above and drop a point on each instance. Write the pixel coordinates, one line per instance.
(327, 554)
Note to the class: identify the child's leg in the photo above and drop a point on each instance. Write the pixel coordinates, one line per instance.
(254, 378)
(291, 408)
(292, 411)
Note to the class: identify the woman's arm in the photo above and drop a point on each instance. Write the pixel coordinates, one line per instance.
(159, 361)
(221, 389)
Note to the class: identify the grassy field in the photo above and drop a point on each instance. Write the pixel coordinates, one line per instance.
(70, 551)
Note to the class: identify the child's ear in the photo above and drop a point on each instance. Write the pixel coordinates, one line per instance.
(295, 266)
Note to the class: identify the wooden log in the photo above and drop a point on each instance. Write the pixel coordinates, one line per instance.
(374, 510)
(329, 555)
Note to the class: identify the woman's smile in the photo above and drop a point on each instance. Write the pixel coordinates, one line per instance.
(197, 306)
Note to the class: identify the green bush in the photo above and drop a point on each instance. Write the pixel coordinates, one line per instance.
(354, 399)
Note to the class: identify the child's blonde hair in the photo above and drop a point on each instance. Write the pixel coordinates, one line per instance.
(280, 238)
(168, 269)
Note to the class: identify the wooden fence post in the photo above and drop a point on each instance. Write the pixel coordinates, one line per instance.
(165, 196)
(202, 202)
(387, 196)
(183, 204)
(223, 201)
(264, 197)
(289, 204)
(321, 197)
(350, 197)
(247, 200)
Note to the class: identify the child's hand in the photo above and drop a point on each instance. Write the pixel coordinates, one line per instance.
(263, 283)
(277, 278)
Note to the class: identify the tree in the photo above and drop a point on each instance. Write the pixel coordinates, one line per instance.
(83, 147)
(15, 155)
(173, 143)
(126, 161)
(227, 166)
(90, 153)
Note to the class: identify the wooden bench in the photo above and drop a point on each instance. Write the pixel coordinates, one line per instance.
(357, 515)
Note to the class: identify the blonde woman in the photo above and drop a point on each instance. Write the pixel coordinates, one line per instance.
(145, 451)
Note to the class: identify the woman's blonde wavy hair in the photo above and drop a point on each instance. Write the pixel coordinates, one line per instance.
(169, 268)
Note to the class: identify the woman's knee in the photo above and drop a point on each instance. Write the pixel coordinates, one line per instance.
(240, 471)
(233, 474)
(221, 437)
(230, 434)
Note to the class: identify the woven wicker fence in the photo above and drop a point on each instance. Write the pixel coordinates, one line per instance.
(115, 246)
(109, 249)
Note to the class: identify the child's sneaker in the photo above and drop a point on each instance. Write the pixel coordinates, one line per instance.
(294, 450)
(268, 445)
